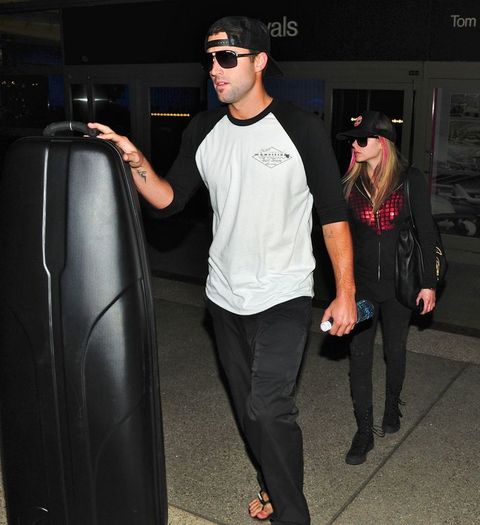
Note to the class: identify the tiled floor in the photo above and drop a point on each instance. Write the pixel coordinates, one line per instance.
(176, 516)
(443, 371)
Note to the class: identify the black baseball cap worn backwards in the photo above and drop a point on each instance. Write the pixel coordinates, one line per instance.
(245, 32)
(369, 124)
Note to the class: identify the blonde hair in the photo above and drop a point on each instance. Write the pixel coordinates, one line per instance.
(385, 177)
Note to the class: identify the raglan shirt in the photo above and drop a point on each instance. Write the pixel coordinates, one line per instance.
(263, 175)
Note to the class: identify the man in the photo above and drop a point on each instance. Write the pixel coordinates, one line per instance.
(264, 162)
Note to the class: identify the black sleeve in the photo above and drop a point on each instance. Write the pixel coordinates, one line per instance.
(422, 215)
(308, 133)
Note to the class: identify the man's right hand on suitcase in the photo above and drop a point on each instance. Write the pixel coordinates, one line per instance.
(130, 152)
(155, 189)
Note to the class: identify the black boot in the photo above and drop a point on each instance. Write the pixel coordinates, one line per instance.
(362, 441)
(392, 414)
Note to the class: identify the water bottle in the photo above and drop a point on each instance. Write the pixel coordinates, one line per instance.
(365, 310)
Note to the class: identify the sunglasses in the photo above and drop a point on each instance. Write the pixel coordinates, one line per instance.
(361, 141)
(226, 59)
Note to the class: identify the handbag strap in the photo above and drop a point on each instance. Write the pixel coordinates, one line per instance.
(406, 191)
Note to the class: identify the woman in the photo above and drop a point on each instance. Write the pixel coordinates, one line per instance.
(373, 187)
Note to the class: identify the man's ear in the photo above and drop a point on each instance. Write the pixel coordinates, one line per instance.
(261, 61)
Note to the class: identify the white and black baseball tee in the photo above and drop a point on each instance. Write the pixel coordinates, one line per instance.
(263, 175)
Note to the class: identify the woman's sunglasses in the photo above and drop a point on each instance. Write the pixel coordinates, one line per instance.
(361, 141)
(226, 59)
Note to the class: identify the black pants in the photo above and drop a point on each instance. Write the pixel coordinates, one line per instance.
(395, 319)
(261, 356)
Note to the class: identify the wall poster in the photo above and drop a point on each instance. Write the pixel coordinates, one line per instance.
(456, 162)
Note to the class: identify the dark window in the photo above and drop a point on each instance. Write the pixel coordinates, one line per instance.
(349, 103)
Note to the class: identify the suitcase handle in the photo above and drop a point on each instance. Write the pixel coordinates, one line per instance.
(69, 125)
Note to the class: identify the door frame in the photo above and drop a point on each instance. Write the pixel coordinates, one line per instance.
(139, 78)
(408, 104)
(452, 241)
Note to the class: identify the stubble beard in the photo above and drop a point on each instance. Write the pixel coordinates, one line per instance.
(229, 97)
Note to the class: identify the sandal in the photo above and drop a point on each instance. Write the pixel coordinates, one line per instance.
(257, 506)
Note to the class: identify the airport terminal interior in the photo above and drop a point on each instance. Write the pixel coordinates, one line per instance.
(418, 62)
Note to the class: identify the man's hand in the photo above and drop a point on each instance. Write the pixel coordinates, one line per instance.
(343, 311)
(130, 152)
(156, 190)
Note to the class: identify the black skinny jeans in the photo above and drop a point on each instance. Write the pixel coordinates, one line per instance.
(395, 319)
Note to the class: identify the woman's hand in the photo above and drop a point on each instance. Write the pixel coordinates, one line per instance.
(130, 152)
(428, 296)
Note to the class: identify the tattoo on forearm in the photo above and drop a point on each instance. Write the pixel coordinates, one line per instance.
(142, 173)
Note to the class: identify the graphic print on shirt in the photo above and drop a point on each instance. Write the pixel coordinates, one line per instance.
(384, 219)
(271, 157)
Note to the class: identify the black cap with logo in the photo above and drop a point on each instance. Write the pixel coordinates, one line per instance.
(245, 32)
(369, 124)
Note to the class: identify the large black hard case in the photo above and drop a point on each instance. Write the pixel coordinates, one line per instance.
(81, 426)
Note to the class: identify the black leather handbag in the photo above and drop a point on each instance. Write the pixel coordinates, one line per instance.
(409, 265)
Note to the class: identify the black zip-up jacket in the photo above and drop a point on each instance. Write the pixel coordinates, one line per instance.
(375, 235)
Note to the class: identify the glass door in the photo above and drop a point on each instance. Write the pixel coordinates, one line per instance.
(348, 101)
(178, 245)
(171, 109)
(455, 159)
(108, 103)
(28, 103)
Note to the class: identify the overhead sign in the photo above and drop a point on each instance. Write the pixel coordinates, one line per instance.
(455, 31)
(159, 32)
